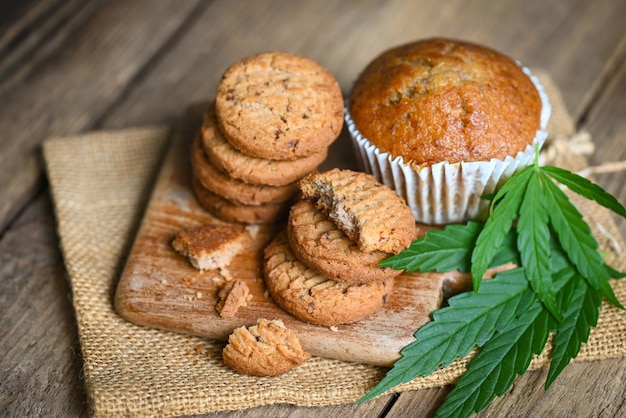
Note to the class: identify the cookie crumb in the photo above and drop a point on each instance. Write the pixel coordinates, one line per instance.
(232, 296)
(225, 273)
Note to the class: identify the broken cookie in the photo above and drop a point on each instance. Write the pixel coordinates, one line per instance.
(210, 247)
(265, 349)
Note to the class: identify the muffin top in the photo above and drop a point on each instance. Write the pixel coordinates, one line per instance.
(445, 100)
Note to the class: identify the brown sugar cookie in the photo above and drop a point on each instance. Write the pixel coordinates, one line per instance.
(265, 349)
(279, 106)
(320, 244)
(233, 189)
(311, 297)
(370, 213)
(235, 212)
(250, 169)
(210, 247)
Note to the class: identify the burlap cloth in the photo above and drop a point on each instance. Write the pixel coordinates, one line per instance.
(101, 183)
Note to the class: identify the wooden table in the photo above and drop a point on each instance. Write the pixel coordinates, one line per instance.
(70, 66)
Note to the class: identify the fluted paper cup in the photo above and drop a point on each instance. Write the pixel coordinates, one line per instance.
(446, 193)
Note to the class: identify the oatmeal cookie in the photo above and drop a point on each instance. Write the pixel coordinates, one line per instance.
(253, 170)
(370, 213)
(321, 245)
(279, 106)
(311, 297)
(233, 189)
(236, 212)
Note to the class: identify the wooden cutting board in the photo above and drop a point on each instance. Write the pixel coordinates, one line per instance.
(159, 288)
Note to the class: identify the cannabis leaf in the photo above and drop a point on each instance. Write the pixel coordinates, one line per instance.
(557, 288)
(502, 358)
(469, 320)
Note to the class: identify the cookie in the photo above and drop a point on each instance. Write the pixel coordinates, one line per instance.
(311, 297)
(210, 247)
(253, 170)
(265, 349)
(279, 106)
(321, 245)
(233, 189)
(235, 212)
(370, 213)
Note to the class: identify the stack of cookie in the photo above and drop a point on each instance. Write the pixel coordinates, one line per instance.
(275, 115)
(324, 268)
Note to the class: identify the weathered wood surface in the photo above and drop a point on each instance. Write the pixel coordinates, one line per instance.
(68, 67)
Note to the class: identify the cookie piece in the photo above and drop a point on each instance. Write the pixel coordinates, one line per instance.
(311, 297)
(265, 349)
(279, 106)
(210, 247)
(235, 212)
(233, 295)
(253, 170)
(233, 189)
(370, 213)
(321, 245)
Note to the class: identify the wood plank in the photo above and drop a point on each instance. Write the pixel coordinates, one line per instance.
(594, 389)
(608, 128)
(39, 353)
(158, 287)
(68, 91)
(344, 38)
(40, 28)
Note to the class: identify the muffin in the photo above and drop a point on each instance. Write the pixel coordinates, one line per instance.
(444, 122)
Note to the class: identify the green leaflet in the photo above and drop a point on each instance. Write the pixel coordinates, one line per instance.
(440, 250)
(614, 273)
(499, 223)
(582, 308)
(448, 249)
(586, 188)
(470, 320)
(577, 240)
(533, 239)
(502, 358)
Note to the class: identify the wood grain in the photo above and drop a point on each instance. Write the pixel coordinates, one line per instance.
(64, 89)
(159, 288)
(124, 64)
(39, 354)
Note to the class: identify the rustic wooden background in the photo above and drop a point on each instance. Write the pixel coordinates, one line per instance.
(70, 66)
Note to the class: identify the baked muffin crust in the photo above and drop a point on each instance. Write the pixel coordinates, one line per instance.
(445, 100)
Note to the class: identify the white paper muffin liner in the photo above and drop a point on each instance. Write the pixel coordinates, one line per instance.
(446, 193)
